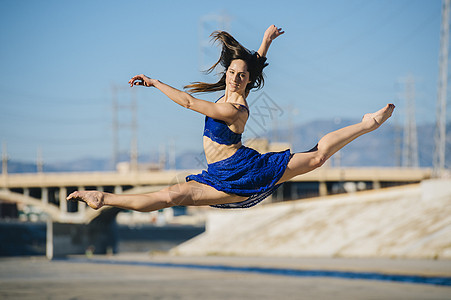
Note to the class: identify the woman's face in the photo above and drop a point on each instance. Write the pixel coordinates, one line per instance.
(237, 76)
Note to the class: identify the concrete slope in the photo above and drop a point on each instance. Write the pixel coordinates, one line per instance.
(404, 222)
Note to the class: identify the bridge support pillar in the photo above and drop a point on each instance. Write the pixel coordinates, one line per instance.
(279, 197)
(118, 189)
(376, 185)
(81, 204)
(63, 202)
(81, 208)
(49, 239)
(45, 195)
(322, 189)
(294, 191)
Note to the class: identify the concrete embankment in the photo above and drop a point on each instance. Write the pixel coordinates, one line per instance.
(404, 222)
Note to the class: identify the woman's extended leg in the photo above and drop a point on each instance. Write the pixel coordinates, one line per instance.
(186, 193)
(302, 163)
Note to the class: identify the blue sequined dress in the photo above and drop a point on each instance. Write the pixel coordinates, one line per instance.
(246, 173)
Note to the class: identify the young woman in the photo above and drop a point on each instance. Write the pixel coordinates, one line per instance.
(237, 176)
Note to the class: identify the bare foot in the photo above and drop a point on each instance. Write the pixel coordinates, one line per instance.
(374, 120)
(93, 198)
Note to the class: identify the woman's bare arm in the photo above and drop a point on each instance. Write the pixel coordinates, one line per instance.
(270, 34)
(226, 112)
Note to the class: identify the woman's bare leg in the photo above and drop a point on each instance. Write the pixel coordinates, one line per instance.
(186, 194)
(302, 163)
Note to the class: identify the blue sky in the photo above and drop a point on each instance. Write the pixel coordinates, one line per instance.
(338, 59)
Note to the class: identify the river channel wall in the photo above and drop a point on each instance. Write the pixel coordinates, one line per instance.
(412, 221)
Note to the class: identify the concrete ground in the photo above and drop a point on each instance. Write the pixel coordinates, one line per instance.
(134, 278)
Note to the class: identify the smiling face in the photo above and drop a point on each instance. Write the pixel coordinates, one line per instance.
(237, 76)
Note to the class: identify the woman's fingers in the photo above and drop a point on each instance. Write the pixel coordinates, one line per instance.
(278, 31)
(136, 80)
(139, 80)
(273, 32)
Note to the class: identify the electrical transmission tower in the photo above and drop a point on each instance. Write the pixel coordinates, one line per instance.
(440, 130)
(207, 25)
(132, 124)
(410, 141)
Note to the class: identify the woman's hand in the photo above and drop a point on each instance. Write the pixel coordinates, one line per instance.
(273, 32)
(141, 80)
(270, 34)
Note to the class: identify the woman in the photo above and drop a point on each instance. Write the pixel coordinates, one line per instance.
(237, 176)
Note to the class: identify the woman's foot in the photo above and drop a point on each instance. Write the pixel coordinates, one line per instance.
(93, 198)
(374, 120)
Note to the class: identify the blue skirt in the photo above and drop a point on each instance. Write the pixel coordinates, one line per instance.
(246, 173)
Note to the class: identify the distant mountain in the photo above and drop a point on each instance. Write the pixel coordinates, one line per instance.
(79, 165)
(21, 167)
(382, 147)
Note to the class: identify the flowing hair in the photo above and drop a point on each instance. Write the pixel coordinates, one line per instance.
(231, 50)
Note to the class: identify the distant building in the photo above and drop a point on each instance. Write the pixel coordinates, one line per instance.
(126, 167)
(263, 145)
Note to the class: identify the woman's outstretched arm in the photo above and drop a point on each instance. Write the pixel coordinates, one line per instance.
(178, 96)
(226, 112)
(270, 34)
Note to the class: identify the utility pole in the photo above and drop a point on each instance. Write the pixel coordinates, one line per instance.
(115, 126)
(132, 125)
(134, 129)
(172, 155)
(440, 129)
(39, 161)
(410, 145)
(398, 143)
(162, 157)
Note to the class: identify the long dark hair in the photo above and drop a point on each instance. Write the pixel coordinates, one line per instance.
(232, 49)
